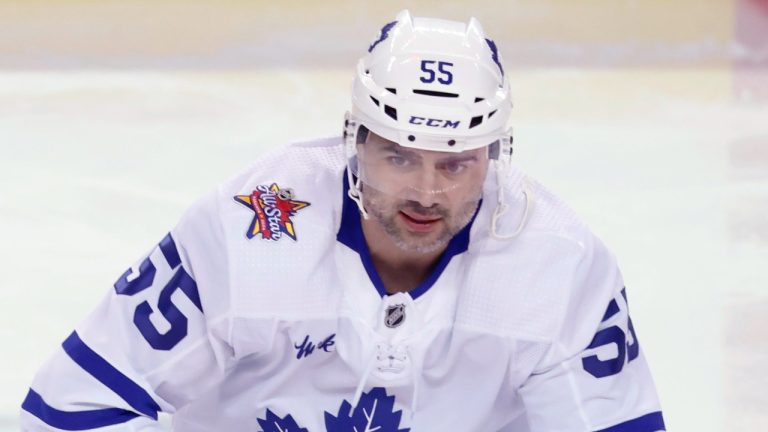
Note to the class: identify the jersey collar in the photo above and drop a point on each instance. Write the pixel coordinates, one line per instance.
(351, 234)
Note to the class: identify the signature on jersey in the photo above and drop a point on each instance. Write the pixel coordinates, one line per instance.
(307, 347)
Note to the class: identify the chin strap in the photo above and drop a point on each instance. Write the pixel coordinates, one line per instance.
(355, 194)
(502, 206)
(350, 144)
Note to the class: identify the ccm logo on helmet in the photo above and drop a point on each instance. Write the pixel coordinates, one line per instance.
(434, 122)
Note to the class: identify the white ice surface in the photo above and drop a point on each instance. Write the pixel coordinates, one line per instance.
(672, 172)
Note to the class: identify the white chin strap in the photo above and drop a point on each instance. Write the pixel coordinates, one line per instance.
(502, 206)
(354, 192)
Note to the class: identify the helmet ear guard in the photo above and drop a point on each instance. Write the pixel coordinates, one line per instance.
(351, 138)
(501, 150)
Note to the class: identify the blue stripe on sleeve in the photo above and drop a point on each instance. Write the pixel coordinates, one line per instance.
(171, 254)
(100, 369)
(75, 420)
(648, 423)
(613, 309)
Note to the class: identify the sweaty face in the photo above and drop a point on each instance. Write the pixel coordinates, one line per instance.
(420, 198)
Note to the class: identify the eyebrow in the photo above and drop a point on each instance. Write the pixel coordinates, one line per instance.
(458, 158)
(398, 149)
(387, 146)
(391, 147)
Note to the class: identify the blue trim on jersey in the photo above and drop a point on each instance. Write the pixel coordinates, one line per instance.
(351, 234)
(99, 368)
(648, 423)
(74, 420)
(613, 309)
(171, 254)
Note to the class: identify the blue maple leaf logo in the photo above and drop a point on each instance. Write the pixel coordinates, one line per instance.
(273, 423)
(374, 413)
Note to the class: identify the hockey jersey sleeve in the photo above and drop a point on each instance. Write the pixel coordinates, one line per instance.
(594, 376)
(157, 340)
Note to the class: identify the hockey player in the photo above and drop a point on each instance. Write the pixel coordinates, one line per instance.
(405, 277)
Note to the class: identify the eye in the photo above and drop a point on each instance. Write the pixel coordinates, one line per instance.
(397, 161)
(454, 167)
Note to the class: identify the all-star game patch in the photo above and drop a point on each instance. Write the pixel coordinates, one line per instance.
(273, 207)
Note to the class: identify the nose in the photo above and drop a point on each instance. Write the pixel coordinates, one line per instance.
(426, 187)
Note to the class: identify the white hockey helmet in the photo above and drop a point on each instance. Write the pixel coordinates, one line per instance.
(429, 84)
(432, 84)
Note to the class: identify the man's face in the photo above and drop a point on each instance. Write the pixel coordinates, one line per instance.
(420, 198)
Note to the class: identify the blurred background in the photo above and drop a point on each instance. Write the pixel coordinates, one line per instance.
(650, 117)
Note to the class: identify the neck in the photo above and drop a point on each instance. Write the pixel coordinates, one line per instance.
(400, 270)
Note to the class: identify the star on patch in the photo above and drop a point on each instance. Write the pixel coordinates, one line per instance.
(273, 208)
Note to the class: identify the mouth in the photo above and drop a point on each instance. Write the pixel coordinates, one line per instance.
(420, 223)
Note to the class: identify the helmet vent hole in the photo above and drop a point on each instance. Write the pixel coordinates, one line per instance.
(391, 90)
(479, 99)
(436, 93)
(388, 110)
(490, 114)
(376, 101)
(475, 121)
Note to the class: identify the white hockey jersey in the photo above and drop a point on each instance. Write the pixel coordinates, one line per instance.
(262, 311)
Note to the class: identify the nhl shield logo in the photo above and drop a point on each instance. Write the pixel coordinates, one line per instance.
(395, 315)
